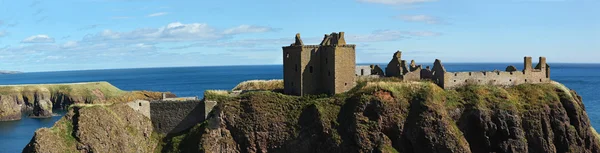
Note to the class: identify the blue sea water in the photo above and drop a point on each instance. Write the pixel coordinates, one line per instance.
(192, 81)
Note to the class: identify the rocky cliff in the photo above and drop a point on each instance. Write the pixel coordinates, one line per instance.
(397, 117)
(39, 100)
(376, 116)
(96, 128)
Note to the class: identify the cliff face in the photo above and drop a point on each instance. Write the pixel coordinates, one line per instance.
(397, 117)
(39, 100)
(96, 128)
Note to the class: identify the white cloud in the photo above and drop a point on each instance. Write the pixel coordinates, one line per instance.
(173, 32)
(389, 35)
(38, 39)
(247, 29)
(3, 33)
(395, 2)
(157, 14)
(70, 44)
(420, 18)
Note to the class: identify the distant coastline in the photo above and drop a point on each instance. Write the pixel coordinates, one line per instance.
(10, 72)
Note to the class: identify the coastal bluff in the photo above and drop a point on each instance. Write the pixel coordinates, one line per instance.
(38, 100)
(377, 115)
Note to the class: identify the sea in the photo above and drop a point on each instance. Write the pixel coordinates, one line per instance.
(192, 81)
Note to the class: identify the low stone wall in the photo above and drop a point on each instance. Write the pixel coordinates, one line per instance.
(176, 116)
(457, 79)
(140, 106)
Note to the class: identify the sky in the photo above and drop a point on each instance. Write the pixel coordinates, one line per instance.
(58, 35)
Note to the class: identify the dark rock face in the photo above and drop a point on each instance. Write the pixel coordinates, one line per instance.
(100, 128)
(377, 117)
(527, 118)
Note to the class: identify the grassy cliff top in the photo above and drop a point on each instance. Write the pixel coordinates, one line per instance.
(73, 89)
(87, 92)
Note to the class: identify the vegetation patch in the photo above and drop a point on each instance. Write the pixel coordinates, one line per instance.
(260, 85)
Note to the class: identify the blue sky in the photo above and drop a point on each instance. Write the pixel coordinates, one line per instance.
(44, 35)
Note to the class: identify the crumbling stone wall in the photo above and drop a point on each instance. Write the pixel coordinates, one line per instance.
(376, 70)
(363, 70)
(450, 80)
(398, 68)
(140, 106)
(176, 116)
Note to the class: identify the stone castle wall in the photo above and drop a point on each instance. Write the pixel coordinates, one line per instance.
(450, 80)
(140, 106)
(314, 69)
(176, 116)
(345, 62)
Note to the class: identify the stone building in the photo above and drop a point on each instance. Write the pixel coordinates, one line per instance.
(327, 68)
(450, 80)
(398, 68)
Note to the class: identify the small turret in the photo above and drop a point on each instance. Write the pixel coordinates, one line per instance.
(341, 40)
(527, 64)
(298, 41)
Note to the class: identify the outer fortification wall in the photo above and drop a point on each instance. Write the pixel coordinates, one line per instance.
(176, 116)
(450, 80)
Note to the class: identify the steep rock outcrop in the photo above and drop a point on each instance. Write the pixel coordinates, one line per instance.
(399, 117)
(380, 116)
(96, 128)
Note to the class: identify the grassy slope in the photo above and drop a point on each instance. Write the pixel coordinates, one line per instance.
(280, 114)
(90, 92)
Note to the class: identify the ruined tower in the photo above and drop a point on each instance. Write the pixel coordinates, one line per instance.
(327, 68)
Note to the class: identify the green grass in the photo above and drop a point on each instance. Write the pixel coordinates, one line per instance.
(260, 85)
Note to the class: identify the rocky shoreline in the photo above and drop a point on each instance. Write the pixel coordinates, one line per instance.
(38, 100)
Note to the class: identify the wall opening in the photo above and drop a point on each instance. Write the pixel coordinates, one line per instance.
(140, 104)
(455, 74)
(326, 60)
(510, 80)
(345, 84)
(454, 80)
(362, 71)
(329, 73)
(296, 68)
(287, 55)
(159, 125)
(469, 73)
(540, 80)
(525, 80)
(311, 69)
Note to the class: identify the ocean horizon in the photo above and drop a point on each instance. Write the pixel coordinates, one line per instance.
(193, 81)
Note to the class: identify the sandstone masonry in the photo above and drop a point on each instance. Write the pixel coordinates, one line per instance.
(327, 68)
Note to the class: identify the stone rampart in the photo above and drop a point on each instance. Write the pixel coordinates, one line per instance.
(176, 116)
(450, 80)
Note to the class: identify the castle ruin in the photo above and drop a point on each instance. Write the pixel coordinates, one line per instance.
(327, 68)
(330, 68)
